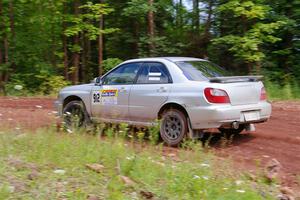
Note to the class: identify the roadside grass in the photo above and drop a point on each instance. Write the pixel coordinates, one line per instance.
(287, 91)
(50, 165)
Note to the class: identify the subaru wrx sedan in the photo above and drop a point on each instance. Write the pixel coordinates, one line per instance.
(187, 95)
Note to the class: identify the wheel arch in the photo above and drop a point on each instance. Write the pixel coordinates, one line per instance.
(70, 98)
(173, 105)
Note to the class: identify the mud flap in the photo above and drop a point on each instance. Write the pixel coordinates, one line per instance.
(193, 134)
(250, 127)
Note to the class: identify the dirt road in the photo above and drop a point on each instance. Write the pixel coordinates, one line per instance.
(278, 138)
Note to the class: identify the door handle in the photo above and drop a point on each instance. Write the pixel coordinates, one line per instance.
(162, 89)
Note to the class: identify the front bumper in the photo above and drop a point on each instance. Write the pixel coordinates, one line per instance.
(215, 116)
(58, 107)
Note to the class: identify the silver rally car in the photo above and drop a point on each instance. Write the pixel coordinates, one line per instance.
(187, 95)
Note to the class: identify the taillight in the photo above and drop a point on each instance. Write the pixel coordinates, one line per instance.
(216, 95)
(263, 94)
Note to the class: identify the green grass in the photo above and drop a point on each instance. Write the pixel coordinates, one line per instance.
(194, 174)
(286, 91)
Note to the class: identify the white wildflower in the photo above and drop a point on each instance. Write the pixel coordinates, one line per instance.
(196, 177)
(225, 188)
(130, 157)
(204, 165)
(205, 177)
(238, 182)
(59, 171)
(69, 131)
(18, 87)
(240, 191)
(11, 189)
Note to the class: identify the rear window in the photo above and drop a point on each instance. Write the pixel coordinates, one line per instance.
(200, 70)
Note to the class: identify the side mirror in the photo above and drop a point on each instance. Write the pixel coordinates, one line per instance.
(98, 81)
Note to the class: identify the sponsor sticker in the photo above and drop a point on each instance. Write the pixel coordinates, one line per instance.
(105, 97)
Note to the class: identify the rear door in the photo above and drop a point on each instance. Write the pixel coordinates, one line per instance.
(150, 91)
(110, 99)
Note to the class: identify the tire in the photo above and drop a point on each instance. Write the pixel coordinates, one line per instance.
(75, 115)
(232, 131)
(173, 127)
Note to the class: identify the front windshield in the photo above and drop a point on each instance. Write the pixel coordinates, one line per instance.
(200, 70)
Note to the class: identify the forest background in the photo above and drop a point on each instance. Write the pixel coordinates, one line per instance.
(45, 45)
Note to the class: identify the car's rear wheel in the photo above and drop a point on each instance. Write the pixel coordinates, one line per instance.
(173, 127)
(75, 115)
(232, 131)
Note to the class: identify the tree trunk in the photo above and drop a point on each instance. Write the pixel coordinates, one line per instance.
(196, 16)
(76, 56)
(1, 35)
(136, 30)
(13, 35)
(180, 23)
(100, 44)
(65, 43)
(83, 69)
(53, 39)
(1, 54)
(88, 56)
(151, 27)
(208, 21)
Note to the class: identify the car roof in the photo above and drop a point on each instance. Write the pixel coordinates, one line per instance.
(171, 59)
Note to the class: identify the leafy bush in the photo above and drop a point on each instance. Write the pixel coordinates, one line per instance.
(28, 84)
(53, 84)
(110, 63)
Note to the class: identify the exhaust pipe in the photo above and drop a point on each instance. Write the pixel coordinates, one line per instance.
(235, 125)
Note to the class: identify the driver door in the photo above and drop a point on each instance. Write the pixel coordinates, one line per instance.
(110, 99)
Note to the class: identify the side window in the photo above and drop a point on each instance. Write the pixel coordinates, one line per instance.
(154, 73)
(124, 74)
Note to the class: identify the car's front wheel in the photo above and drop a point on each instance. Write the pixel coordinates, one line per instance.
(173, 127)
(75, 115)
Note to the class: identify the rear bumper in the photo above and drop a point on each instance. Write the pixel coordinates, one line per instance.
(215, 116)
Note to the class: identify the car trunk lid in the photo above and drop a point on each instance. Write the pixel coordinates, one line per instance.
(241, 89)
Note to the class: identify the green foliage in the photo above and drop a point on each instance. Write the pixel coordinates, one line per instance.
(83, 23)
(110, 63)
(138, 8)
(247, 9)
(238, 35)
(43, 84)
(248, 46)
(53, 84)
(163, 46)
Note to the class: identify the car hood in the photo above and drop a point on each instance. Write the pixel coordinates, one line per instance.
(78, 87)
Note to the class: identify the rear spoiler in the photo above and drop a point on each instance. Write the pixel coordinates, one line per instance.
(233, 79)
